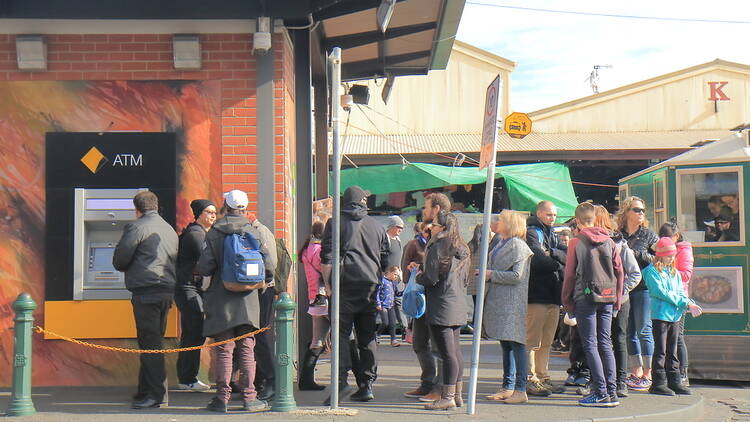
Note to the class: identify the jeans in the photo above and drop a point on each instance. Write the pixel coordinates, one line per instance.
(427, 359)
(191, 325)
(388, 321)
(640, 338)
(150, 313)
(665, 346)
(594, 325)
(245, 362)
(620, 341)
(682, 351)
(448, 342)
(541, 325)
(514, 365)
(264, 347)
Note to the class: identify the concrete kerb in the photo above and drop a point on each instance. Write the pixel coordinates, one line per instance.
(692, 412)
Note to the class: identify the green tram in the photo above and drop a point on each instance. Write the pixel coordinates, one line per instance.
(706, 190)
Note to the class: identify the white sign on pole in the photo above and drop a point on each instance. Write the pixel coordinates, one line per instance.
(489, 130)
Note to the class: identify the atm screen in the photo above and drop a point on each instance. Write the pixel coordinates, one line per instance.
(101, 259)
(109, 204)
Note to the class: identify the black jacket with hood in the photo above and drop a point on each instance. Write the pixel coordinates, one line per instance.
(545, 281)
(191, 246)
(364, 254)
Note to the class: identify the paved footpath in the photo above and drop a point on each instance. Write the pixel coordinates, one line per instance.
(718, 401)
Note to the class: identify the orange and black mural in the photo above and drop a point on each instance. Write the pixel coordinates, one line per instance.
(30, 110)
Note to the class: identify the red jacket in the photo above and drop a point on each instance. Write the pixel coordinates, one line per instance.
(684, 263)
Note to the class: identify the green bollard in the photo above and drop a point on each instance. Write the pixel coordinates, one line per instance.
(284, 400)
(20, 398)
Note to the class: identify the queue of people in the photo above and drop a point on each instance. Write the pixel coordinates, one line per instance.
(622, 288)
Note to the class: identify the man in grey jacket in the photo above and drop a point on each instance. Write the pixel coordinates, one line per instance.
(231, 314)
(147, 254)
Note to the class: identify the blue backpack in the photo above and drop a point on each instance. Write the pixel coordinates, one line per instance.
(242, 267)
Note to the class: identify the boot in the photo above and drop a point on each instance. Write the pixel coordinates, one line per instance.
(674, 380)
(268, 391)
(501, 394)
(307, 372)
(659, 384)
(447, 399)
(364, 393)
(459, 389)
(518, 397)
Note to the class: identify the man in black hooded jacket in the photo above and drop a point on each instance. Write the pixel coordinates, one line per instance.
(364, 251)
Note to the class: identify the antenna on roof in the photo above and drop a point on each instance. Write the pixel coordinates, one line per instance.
(593, 78)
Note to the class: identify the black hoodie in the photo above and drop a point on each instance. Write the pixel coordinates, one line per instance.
(364, 253)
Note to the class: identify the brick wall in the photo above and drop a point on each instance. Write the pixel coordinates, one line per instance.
(225, 57)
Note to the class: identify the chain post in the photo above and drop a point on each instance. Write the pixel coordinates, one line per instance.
(284, 400)
(21, 403)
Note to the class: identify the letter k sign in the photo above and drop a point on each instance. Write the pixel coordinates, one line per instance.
(716, 93)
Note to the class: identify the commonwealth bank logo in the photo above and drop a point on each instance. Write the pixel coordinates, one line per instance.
(94, 160)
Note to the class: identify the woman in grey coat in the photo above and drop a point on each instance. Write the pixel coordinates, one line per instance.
(506, 303)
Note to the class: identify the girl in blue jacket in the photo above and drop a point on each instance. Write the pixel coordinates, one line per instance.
(668, 303)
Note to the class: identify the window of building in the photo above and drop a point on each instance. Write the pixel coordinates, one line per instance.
(623, 193)
(660, 201)
(710, 206)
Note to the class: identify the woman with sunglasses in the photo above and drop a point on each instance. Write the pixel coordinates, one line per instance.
(632, 223)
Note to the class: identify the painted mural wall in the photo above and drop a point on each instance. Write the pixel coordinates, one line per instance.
(28, 110)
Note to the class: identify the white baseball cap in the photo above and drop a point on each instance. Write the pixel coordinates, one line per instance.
(236, 199)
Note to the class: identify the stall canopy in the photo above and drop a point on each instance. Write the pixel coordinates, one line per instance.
(527, 183)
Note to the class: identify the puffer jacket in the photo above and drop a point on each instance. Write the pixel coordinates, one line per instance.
(684, 263)
(147, 254)
(668, 298)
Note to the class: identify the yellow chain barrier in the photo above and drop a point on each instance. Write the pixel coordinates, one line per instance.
(39, 329)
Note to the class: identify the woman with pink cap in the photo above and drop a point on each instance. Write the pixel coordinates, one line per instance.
(668, 302)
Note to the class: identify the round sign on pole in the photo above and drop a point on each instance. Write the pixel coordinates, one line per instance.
(517, 125)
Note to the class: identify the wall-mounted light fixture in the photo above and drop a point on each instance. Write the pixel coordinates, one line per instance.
(186, 50)
(262, 36)
(31, 52)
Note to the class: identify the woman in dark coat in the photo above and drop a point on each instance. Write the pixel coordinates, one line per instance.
(445, 275)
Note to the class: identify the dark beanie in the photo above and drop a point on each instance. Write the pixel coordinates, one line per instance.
(198, 205)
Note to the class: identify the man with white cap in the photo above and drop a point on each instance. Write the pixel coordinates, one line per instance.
(230, 314)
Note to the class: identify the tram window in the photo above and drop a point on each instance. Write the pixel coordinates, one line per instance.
(710, 206)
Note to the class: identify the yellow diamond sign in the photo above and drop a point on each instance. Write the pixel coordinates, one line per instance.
(94, 160)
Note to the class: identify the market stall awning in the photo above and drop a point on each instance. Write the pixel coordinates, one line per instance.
(527, 183)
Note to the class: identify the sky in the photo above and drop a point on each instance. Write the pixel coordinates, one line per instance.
(555, 52)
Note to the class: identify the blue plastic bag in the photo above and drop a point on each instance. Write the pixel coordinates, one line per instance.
(413, 301)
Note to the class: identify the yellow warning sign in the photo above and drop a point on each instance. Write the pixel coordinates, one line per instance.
(518, 125)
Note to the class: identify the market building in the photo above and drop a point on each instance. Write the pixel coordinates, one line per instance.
(188, 99)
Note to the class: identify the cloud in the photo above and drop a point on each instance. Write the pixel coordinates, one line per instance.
(556, 52)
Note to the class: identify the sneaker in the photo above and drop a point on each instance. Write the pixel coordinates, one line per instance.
(613, 400)
(622, 389)
(571, 380)
(685, 380)
(640, 384)
(431, 397)
(536, 388)
(320, 300)
(582, 381)
(632, 381)
(193, 386)
(254, 405)
(216, 405)
(583, 390)
(420, 391)
(595, 400)
(555, 389)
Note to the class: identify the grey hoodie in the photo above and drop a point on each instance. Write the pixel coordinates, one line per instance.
(629, 265)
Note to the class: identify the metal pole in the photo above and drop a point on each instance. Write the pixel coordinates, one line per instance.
(284, 400)
(479, 310)
(20, 398)
(335, 66)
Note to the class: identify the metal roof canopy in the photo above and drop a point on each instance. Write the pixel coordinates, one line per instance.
(419, 37)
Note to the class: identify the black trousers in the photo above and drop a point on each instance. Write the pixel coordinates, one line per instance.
(364, 326)
(190, 305)
(665, 346)
(448, 342)
(264, 342)
(620, 341)
(578, 365)
(150, 312)
(682, 350)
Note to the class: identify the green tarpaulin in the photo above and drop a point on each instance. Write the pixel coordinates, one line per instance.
(527, 183)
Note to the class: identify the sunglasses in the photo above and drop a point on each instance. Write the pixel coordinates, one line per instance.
(638, 210)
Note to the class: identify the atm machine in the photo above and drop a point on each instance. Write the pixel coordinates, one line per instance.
(91, 179)
(98, 219)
